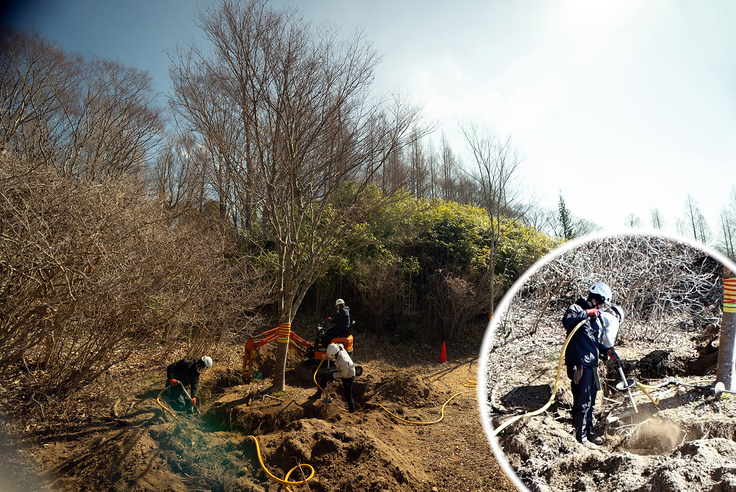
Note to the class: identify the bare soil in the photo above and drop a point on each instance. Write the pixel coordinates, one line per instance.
(685, 443)
(117, 437)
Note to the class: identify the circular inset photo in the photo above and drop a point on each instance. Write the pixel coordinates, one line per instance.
(609, 366)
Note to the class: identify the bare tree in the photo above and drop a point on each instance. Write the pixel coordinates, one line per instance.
(728, 235)
(33, 71)
(433, 171)
(727, 243)
(288, 110)
(659, 283)
(448, 171)
(455, 302)
(633, 221)
(694, 224)
(89, 118)
(418, 166)
(178, 175)
(657, 219)
(89, 272)
(496, 168)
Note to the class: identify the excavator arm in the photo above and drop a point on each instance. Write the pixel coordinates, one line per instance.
(257, 341)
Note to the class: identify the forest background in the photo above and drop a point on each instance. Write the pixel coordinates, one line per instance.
(275, 181)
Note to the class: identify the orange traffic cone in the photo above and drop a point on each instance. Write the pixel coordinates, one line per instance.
(443, 354)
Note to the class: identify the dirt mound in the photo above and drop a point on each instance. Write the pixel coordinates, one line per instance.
(659, 364)
(265, 361)
(353, 457)
(404, 389)
(654, 436)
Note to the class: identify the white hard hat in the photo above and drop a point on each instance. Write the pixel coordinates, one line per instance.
(332, 350)
(207, 361)
(339, 302)
(602, 290)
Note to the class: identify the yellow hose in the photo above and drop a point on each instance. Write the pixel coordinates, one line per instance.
(442, 412)
(283, 481)
(314, 377)
(469, 383)
(643, 388)
(554, 390)
(166, 409)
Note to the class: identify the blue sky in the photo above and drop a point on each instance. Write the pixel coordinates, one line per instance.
(623, 105)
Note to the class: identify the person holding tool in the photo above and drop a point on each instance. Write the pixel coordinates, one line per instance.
(344, 369)
(181, 374)
(581, 358)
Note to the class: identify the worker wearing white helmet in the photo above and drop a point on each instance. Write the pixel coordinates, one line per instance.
(184, 373)
(341, 323)
(344, 369)
(583, 351)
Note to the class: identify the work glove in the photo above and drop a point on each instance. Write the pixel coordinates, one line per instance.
(593, 313)
(612, 354)
(194, 400)
(174, 382)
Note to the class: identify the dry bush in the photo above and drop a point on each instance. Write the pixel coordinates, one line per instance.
(381, 287)
(658, 281)
(456, 303)
(89, 273)
(88, 117)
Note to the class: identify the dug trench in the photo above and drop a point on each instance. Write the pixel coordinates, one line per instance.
(133, 444)
(686, 442)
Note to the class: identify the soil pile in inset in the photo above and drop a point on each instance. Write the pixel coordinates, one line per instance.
(655, 436)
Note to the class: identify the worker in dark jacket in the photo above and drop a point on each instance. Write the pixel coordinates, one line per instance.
(581, 357)
(181, 374)
(341, 323)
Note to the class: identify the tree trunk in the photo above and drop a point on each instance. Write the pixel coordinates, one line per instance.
(726, 372)
(279, 379)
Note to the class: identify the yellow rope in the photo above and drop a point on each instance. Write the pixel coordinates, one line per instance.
(283, 481)
(554, 390)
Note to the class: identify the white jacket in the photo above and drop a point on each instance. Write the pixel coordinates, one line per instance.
(344, 364)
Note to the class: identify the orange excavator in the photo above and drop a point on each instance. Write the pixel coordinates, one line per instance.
(312, 353)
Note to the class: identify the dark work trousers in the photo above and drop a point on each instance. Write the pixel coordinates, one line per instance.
(583, 400)
(347, 387)
(178, 399)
